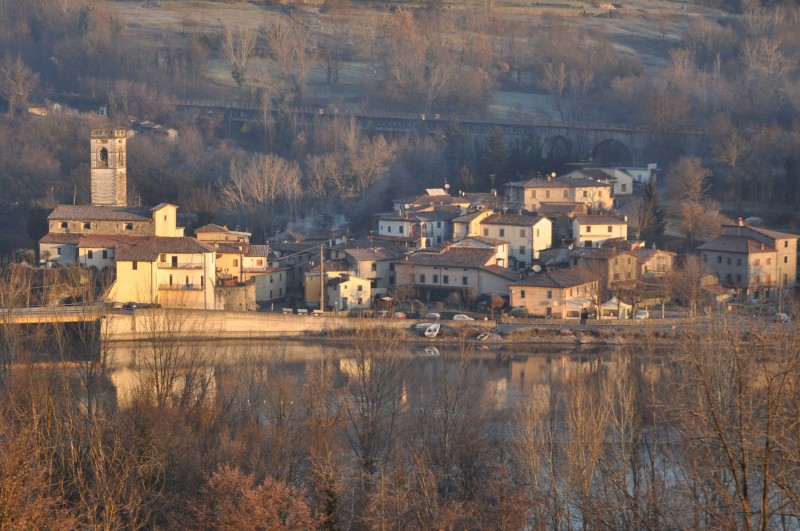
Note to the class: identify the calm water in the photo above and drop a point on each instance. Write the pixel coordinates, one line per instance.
(502, 373)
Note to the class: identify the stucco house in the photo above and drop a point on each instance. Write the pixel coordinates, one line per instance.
(758, 263)
(173, 272)
(560, 293)
(594, 230)
(526, 234)
(437, 274)
(529, 195)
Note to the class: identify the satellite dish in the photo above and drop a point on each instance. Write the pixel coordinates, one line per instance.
(536, 268)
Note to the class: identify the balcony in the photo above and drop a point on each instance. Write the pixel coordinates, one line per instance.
(180, 265)
(180, 287)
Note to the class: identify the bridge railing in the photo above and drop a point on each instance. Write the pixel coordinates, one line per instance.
(425, 117)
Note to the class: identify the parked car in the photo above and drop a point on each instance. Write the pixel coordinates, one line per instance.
(382, 314)
(399, 315)
(781, 318)
(432, 316)
(462, 317)
(642, 314)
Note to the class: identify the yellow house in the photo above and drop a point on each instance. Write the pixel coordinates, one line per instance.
(560, 293)
(172, 272)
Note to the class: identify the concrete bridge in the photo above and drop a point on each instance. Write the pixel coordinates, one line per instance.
(52, 314)
(602, 142)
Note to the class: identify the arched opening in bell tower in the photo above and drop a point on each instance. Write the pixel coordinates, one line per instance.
(102, 158)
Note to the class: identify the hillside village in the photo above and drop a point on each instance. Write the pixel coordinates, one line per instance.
(553, 247)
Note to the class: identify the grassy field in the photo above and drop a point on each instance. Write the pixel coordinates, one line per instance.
(645, 29)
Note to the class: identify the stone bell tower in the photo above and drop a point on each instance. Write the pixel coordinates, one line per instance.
(109, 178)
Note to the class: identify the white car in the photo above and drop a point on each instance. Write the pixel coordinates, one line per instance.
(462, 317)
(642, 314)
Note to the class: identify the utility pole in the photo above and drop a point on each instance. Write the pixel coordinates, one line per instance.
(321, 279)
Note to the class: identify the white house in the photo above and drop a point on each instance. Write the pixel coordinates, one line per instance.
(526, 235)
(593, 230)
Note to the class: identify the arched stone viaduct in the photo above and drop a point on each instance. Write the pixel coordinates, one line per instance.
(603, 143)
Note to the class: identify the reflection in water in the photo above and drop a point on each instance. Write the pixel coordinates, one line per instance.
(503, 373)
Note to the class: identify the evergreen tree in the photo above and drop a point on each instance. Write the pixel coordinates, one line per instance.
(651, 217)
(495, 159)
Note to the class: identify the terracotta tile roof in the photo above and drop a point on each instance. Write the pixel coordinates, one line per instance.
(558, 278)
(332, 265)
(595, 173)
(502, 272)
(469, 217)
(111, 241)
(162, 205)
(100, 213)
(523, 220)
(147, 248)
(564, 183)
(735, 244)
(258, 250)
(66, 239)
(601, 220)
(452, 257)
(211, 227)
(645, 254)
(291, 248)
(482, 239)
(774, 234)
(373, 254)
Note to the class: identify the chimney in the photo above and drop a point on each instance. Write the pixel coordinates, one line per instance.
(762, 246)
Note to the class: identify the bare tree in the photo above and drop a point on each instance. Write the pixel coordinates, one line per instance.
(16, 82)
(238, 46)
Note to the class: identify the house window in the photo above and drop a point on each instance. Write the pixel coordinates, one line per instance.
(728, 261)
(280, 276)
(271, 279)
(502, 233)
(360, 300)
(565, 194)
(547, 194)
(537, 233)
(521, 233)
(270, 294)
(769, 261)
(464, 281)
(438, 224)
(389, 229)
(445, 279)
(280, 292)
(533, 194)
(58, 251)
(391, 267)
(616, 276)
(758, 261)
(391, 280)
(624, 187)
(259, 262)
(202, 282)
(438, 239)
(186, 282)
(786, 243)
(719, 259)
(522, 250)
(87, 225)
(629, 260)
(599, 193)
(400, 229)
(235, 262)
(135, 266)
(549, 294)
(64, 225)
(170, 280)
(738, 261)
(588, 228)
(162, 258)
(89, 254)
(486, 232)
(628, 275)
(585, 194)
(705, 258)
(609, 228)
(785, 258)
(739, 279)
(105, 254)
(435, 279)
(129, 226)
(360, 288)
(768, 278)
(422, 278)
(728, 278)
(522, 294)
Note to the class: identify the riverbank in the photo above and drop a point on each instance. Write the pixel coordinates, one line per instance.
(199, 325)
